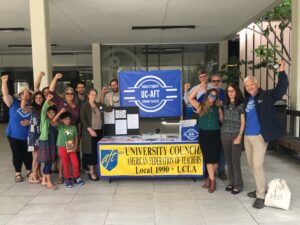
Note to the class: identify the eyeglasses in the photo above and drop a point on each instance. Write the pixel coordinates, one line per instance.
(69, 93)
(212, 96)
(216, 81)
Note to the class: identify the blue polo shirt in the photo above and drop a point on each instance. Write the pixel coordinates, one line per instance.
(16, 115)
(252, 122)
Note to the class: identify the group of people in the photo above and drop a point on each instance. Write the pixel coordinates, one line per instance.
(229, 122)
(46, 128)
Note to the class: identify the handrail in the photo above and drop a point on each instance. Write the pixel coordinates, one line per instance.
(293, 114)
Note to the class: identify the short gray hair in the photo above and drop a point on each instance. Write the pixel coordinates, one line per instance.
(250, 77)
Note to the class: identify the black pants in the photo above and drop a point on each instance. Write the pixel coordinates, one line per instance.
(91, 159)
(233, 154)
(20, 154)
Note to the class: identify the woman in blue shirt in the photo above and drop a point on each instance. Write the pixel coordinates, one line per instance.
(18, 126)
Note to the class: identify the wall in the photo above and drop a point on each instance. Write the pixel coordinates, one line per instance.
(250, 40)
(16, 61)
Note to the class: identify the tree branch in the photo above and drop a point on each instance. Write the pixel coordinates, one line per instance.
(279, 40)
(270, 42)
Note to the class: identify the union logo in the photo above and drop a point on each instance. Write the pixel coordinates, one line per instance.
(191, 134)
(151, 93)
(109, 159)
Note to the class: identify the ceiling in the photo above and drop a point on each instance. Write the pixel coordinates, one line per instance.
(75, 24)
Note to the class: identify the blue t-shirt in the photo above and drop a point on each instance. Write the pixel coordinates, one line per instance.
(16, 115)
(252, 122)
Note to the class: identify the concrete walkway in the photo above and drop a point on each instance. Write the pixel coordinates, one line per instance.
(145, 201)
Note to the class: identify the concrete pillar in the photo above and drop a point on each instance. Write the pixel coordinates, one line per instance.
(40, 39)
(223, 53)
(295, 55)
(97, 75)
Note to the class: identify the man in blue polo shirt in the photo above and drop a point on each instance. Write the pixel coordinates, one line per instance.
(262, 126)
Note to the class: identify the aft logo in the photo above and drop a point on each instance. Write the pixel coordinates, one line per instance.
(109, 159)
(150, 93)
(191, 134)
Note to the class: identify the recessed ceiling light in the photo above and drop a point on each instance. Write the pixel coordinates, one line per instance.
(26, 46)
(163, 27)
(11, 29)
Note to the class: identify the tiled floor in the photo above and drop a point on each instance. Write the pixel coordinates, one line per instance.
(145, 201)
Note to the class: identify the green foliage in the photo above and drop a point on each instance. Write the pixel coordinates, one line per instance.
(268, 55)
(282, 12)
(230, 71)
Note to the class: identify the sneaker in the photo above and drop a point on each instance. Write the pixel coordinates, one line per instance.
(78, 181)
(252, 194)
(69, 183)
(259, 203)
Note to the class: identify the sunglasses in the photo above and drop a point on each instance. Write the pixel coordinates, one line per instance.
(212, 96)
(69, 93)
(216, 81)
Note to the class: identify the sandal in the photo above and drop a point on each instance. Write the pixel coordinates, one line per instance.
(52, 187)
(19, 178)
(229, 188)
(33, 179)
(29, 172)
(60, 180)
(93, 177)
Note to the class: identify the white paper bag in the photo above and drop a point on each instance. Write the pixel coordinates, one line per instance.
(278, 195)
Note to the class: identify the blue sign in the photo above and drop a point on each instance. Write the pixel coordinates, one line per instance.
(189, 133)
(156, 93)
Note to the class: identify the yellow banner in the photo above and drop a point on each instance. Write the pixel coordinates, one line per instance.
(151, 160)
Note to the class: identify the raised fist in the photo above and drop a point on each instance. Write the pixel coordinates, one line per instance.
(4, 78)
(58, 76)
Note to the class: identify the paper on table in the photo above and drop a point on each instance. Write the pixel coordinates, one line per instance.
(121, 127)
(120, 114)
(109, 117)
(133, 121)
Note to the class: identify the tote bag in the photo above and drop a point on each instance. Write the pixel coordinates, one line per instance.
(278, 195)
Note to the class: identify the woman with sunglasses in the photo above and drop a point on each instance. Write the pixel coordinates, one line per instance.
(231, 135)
(209, 118)
(70, 103)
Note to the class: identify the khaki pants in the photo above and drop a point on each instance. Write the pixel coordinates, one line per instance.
(256, 148)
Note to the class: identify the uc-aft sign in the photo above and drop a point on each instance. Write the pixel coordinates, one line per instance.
(156, 93)
(138, 160)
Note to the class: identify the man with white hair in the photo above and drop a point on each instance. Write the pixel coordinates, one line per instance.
(262, 126)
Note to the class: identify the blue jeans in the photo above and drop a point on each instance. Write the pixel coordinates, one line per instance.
(47, 168)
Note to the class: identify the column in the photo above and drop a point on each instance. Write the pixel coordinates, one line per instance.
(96, 53)
(40, 39)
(223, 53)
(295, 55)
